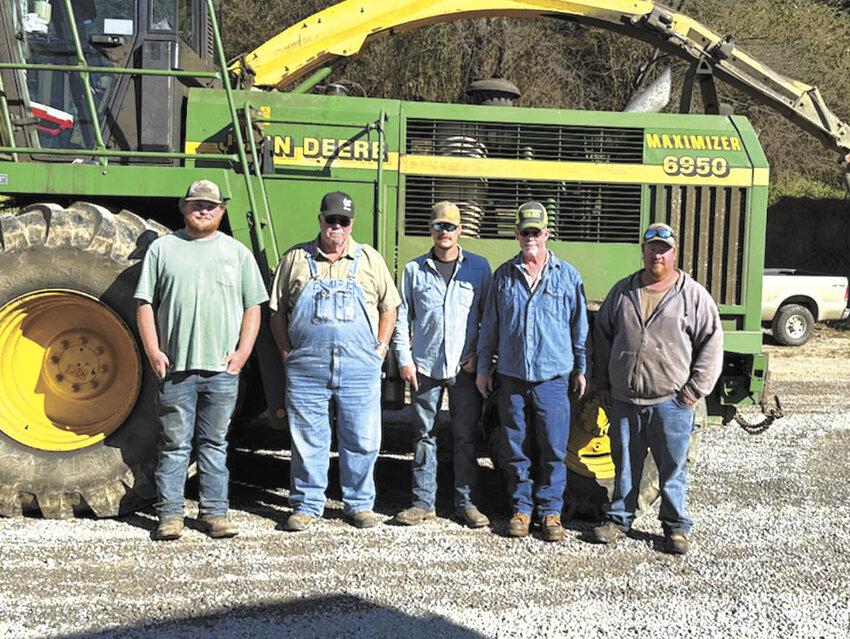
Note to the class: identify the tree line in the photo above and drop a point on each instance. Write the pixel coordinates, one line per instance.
(559, 64)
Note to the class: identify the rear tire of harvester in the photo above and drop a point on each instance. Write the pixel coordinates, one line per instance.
(89, 260)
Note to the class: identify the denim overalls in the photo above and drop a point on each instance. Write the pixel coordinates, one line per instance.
(333, 355)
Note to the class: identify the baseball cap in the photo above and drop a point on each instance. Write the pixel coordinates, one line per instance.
(659, 232)
(205, 190)
(532, 215)
(337, 203)
(445, 211)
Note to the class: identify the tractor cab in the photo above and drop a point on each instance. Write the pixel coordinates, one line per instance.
(52, 106)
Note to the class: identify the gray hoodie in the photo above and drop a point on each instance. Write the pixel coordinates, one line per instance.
(680, 347)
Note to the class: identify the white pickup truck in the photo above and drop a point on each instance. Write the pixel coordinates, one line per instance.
(793, 300)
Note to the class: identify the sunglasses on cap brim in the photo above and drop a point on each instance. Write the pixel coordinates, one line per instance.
(661, 234)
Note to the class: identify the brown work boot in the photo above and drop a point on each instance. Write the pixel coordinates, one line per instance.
(219, 527)
(472, 517)
(169, 529)
(676, 542)
(414, 516)
(551, 528)
(364, 519)
(299, 521)
(519, 524)
(607, 533)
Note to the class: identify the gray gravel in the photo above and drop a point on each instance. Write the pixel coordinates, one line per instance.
(770, 555)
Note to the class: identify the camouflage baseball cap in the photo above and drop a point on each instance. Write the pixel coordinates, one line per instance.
(532, 215)
(205, 190)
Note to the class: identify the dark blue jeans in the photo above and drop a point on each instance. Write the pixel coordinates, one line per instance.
(465, 409)
(666, 429)
(200, 405)
(538, 412)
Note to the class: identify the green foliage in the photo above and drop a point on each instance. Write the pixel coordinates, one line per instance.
(805, 188)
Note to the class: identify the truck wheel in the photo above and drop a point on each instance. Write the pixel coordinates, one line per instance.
(793, 325)
(77, 424)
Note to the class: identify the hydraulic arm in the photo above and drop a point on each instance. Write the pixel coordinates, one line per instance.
(343, 29)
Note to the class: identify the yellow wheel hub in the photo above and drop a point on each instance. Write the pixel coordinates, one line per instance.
(70, 370)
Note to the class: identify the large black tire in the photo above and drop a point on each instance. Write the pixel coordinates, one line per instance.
(84, 248)
(793, 325)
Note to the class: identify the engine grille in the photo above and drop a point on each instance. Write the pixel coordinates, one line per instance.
(525, 141)
(578, 212)
(710, 223)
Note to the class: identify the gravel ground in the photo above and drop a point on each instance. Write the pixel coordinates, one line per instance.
(770, 552)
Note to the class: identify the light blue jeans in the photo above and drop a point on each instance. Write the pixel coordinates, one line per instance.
(465, 409)
(199, 405)
(309, 389)
(666, 429)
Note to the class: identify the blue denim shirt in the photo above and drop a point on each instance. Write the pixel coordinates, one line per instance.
(540, 335)
(444, 319)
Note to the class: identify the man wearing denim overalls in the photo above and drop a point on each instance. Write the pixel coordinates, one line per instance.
(443, 294)
(535, 320)
(333, 308)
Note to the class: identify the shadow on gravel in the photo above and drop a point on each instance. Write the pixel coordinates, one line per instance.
(340, 615)
(260, 480)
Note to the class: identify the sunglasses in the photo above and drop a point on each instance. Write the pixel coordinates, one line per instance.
(333, 220)
(664, 234)
(448, 227)
(531, 232)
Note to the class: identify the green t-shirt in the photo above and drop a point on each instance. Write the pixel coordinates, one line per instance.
(199, 290)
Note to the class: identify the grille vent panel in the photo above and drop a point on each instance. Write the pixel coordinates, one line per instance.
(524, 141)
(578, 212)
(710, 225)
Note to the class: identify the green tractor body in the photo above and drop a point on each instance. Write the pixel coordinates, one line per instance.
(83, 196)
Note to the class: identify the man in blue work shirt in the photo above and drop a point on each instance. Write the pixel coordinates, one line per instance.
(535, 321)
(443, 294)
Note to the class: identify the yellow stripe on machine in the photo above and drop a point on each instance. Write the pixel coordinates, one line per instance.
(566, 171)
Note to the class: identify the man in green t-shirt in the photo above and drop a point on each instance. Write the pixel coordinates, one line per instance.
(199, 296)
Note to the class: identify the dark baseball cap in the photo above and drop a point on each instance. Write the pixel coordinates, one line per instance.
(337, 203)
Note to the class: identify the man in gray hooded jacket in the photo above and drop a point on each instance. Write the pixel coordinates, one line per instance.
(658, 348)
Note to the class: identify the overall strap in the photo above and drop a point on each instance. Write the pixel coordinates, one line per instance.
(311, 262)
(358, 251)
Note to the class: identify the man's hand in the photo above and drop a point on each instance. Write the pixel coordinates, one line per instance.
(159, 362)
(469, 365)
(235, 361)
(408, 374)
(686, 399)
(579, 384)
(484, 382)
(381, 350)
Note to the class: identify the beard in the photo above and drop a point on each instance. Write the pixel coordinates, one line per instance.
(202, 226)
(658, 270)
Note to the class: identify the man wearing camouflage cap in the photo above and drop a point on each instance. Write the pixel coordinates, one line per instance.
(442, 294)
(199, 296)
(658, 348)
(535, 321)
